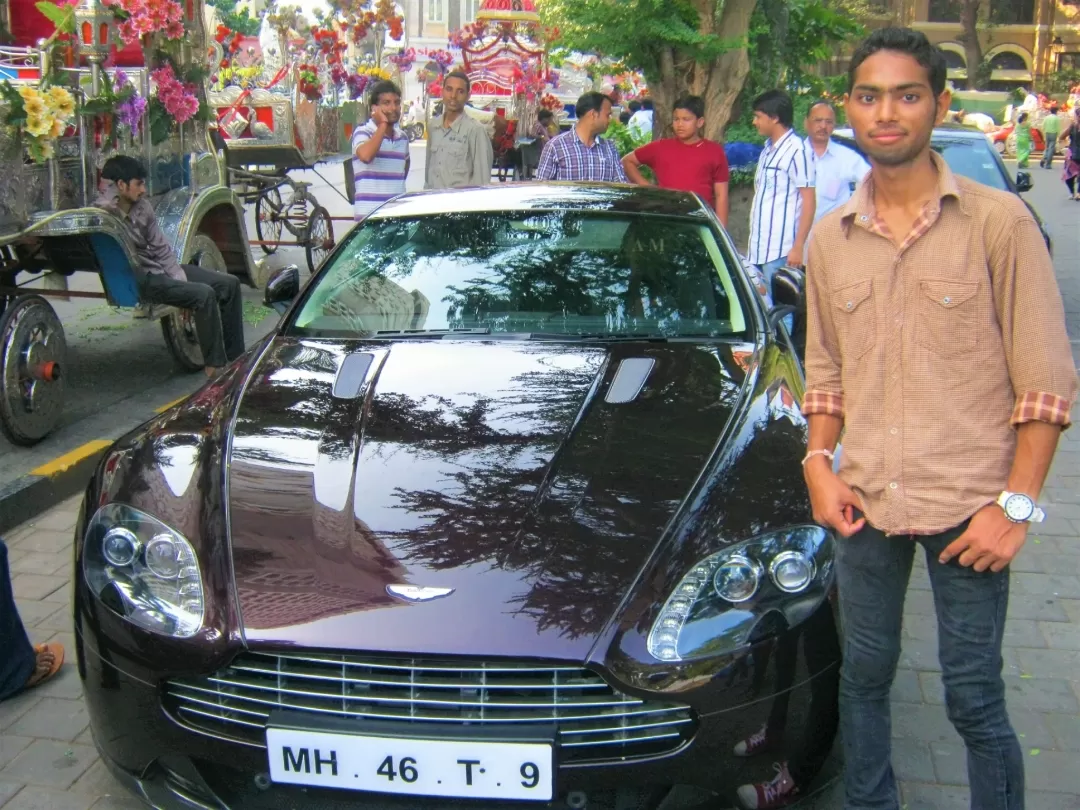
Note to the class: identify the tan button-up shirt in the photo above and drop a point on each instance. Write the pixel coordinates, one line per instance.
(459, 155)
(934, 350)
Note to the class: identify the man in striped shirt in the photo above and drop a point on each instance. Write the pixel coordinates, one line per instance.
(783, 209)
(580, 153)
(380, 152)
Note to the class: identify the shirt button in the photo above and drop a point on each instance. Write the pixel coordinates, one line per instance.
(892, 485)
(850, 304)
(893, 431)
(863, 218)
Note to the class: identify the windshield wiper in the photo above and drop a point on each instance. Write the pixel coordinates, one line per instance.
(432, 334)
(618, 337)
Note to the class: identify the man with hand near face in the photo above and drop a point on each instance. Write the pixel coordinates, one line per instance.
(459, 151)
(580, 153)
(936, 342)
(380, 152)
(686, 162)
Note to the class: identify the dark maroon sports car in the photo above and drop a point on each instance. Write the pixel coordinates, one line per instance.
(508, 510)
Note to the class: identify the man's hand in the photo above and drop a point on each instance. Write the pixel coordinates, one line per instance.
(832, 500)
(379, 117)
(991, 541)
(796, 257)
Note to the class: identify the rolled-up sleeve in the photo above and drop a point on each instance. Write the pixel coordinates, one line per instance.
(1032, 318)
(824, 388)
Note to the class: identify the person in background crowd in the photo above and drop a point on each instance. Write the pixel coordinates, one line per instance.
(1051, 130)
(686, 162)
(380, 151)
(214, 298)
(581, 153)
(1023, 140)
(459, 151)
(542, 128)
(22, 664)
(1071, 173)
(624, 117)
(837, 169)
(783, 208)
(949, 374)
(641, 121)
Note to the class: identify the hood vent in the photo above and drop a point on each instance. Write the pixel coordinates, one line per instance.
(352, 375)
(629, 379)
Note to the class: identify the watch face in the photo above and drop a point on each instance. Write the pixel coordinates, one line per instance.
(1019, 508)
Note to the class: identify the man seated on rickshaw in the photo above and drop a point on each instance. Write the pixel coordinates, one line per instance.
(213, 298)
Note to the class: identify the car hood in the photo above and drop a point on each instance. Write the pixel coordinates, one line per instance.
(523, 485)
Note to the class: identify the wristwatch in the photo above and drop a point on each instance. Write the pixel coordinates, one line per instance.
(1019, 508)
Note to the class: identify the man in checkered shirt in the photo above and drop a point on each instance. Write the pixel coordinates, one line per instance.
(581, 154)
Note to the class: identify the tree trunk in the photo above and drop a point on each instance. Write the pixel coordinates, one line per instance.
(973, 55)
(718, 82)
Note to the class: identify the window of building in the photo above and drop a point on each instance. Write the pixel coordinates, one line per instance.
(1007, 60)
(1069, 61)
(944, 11)
(1012, 12)
(472, 7)
(435, 12)
(954, 60)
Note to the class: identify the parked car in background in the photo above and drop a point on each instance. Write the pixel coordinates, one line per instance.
(509, 509)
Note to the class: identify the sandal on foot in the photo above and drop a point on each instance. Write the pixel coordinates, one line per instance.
(50, 657)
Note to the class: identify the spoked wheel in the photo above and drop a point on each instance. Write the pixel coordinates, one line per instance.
(33, 356)
(178, 329)
(320, 238)
(268, 216)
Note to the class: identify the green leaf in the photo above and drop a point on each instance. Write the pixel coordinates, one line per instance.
(63, 18)
(1035, 752)
(97, 106)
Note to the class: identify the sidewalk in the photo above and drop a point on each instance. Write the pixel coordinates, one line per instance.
(48, 761)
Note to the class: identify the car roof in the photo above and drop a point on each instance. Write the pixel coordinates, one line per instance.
(942, 133)
(541, 196)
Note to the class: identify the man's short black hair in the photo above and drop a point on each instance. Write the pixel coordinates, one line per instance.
(590, 102)
(634, 106)
(647, 104)
(624, 117)
(382, 87)
(695, 105)
(903, 40)
(776, 104)
(545, 115)
(459, 74)
(123, 168)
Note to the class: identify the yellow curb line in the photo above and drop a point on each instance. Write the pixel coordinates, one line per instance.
(166, 407)
(58, 465)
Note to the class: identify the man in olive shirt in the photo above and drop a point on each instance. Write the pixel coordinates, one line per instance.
(459, 151)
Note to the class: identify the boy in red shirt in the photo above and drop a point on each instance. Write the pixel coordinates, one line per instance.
(686, 162)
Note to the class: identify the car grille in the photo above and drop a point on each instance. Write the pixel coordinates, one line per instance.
(594, 722)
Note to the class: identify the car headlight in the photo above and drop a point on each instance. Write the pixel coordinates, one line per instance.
(778, 578)
(144, 571)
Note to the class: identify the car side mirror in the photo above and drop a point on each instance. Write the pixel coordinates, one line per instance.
(282, 288)
(776, 315)
(1024, 182)
(789, 298)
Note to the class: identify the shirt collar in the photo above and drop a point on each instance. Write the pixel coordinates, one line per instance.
(770, 146)
(862, 201)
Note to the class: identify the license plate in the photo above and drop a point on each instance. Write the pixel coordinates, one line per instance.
(452, 768)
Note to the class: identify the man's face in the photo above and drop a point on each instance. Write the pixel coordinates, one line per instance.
(686, 125)
(601, 118)
(820, 123)
(764, 124)
(892, 108)
(455, 92)
(131, 191)
(390, 106)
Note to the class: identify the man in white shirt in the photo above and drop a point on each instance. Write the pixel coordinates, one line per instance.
(641, 122)
(837, 169)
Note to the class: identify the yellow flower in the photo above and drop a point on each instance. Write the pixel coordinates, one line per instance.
(34, 106)
(58, 128)
(38, 125)
(61, 101)
(46, 148)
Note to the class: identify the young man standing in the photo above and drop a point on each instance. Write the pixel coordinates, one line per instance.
(936, 343)
(686, 162)
(459, 151)
(783, 208)
(580, 153)
(213, 297)
(837, 169)
(380, 152)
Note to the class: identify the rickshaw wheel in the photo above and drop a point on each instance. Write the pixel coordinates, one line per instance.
(178, 329)
(33, 357)
(268, 215)
(320, 238)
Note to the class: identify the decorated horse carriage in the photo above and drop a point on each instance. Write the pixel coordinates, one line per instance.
(66, 98)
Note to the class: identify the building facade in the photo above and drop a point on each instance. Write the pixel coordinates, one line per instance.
(1024, 40)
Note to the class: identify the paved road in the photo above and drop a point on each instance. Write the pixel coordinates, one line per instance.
(48, 762)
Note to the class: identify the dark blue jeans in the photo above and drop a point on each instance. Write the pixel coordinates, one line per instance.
(17, 656)
(872, 573)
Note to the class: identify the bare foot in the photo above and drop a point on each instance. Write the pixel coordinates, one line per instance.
(50, 657)
(211, 371)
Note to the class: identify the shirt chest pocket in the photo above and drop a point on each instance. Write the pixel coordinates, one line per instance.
(947, 316)
(454, 149)
(855, 318)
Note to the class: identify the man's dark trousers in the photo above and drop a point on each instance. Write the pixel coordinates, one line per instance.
(17, 657)
(872, 575)
(214, 299)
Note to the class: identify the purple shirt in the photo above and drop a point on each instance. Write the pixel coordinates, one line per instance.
(566, 158)
(152, 249)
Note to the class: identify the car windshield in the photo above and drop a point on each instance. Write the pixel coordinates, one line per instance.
(557, 273)
(972, 159)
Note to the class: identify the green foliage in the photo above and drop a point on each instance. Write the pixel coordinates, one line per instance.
(62, 17)
(242, 23)
(1060, 82)
(625, 141)
(108, 100)
(743, 177)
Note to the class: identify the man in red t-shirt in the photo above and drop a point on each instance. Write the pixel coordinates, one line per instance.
(686, 162)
